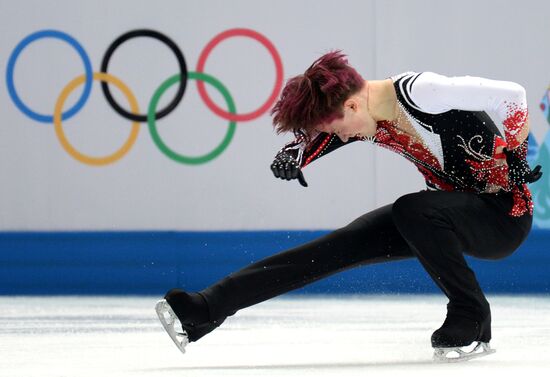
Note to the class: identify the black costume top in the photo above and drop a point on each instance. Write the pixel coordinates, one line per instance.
(449, 127)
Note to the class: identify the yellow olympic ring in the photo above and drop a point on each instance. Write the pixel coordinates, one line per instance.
(61, 135)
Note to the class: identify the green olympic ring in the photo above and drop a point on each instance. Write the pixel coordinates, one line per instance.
(151, 121)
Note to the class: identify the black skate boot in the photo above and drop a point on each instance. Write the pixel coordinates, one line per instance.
(191, 310)
(454, 340)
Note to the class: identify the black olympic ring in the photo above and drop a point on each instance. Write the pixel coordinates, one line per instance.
(181, 62)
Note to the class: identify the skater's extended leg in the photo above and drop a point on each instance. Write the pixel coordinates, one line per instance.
(371, 238)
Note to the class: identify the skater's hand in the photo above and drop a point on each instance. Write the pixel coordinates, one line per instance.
(519, 171)
(286, 167)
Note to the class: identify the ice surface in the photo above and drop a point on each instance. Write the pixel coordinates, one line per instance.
(292, 335)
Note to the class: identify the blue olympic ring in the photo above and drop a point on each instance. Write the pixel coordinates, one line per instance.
(87, 67)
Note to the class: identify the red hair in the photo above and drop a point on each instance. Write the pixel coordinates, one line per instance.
(317, 96)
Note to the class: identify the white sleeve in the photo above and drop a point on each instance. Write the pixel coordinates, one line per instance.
(434, 93)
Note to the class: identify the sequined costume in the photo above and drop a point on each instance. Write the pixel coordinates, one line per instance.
(450, 129)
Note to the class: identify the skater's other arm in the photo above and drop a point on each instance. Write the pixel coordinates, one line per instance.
(506, 100)
(435, 93)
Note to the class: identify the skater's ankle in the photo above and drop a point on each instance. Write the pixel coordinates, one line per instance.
(475, 313)
(191, 308)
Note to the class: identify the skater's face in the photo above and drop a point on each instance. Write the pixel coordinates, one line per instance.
(357, 120)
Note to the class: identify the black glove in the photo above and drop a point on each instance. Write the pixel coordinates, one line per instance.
(286, 167)
(519, 170)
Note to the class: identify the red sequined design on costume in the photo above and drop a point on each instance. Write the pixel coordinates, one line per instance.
(492, 171)
(523, 201)
(485, 171)
(401, 143)
(513, 124)
(315, 154)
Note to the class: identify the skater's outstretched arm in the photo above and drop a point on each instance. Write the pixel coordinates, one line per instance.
(317, 98)
(303, 150)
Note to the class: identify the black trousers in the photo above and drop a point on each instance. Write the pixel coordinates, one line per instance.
(437, 227)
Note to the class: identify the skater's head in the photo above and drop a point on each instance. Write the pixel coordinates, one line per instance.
(330, 96)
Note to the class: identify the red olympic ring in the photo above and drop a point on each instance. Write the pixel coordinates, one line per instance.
(278, 72)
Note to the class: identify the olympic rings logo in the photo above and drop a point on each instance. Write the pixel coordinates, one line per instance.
(152, 115)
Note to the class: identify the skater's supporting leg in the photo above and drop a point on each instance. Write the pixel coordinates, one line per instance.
(440, 226)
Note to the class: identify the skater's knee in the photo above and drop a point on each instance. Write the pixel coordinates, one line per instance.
(405, 208)
(415, 209)
(492, 254)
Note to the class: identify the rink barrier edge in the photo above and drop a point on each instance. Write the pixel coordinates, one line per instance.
(151, 262)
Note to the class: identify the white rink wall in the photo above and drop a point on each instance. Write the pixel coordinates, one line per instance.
(45, 188)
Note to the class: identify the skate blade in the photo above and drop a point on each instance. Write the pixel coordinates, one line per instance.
(454, 354)
(168, 320)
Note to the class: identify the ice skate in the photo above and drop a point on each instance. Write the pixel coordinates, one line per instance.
(184, 316)
(171, 324)
(454, 354)
(461, 339)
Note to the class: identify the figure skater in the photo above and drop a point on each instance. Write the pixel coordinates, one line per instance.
(476, 200)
